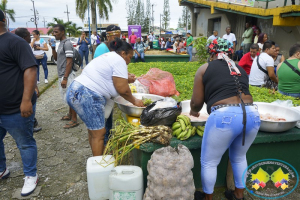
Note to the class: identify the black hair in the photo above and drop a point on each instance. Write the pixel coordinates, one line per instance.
(294, 49)
(22, 32)
(60, 27)
(254, 46)
(276, 45)
(118, 46)
(36, 32)
(112, 28)
(268, 44)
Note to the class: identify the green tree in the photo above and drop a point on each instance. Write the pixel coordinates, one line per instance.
(146, 21)
(10, 13)
(179, 25)
(131, 11)
(74, 30)
(58, 21)
(138, 13)
(166, 15)
(186, 18)
(104, 7)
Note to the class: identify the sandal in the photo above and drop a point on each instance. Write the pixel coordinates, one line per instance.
(72, 124)
(66, 118)
(230, 195)
(199, 195)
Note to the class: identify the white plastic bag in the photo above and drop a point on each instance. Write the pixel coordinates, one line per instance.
(137, 87)
(167, 102)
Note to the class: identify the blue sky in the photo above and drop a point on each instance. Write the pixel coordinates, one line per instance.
(55, 8)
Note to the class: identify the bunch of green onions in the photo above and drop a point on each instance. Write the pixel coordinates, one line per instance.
(125, 137)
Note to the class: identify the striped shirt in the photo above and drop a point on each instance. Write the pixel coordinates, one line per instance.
(64, 51)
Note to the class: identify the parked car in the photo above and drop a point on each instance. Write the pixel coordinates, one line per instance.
(49, 52)
(74, 42)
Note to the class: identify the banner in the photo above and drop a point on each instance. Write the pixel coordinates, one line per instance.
(137, 29)
(240, 2)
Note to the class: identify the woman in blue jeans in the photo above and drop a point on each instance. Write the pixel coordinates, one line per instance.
(189, 45)
(233, 122)
(39, 46)
(84, 48)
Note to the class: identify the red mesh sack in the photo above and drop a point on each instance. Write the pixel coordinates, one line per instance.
(159, 82)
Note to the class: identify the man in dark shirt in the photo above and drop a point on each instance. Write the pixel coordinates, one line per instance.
(24, 33)
(18, 73)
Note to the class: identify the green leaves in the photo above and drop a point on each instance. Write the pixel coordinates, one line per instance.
(200, 45)
(184, 73)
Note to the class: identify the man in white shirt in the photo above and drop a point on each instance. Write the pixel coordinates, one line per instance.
(230, 37)
(212, 37)
(151, 38)
(94, 42)
(258, 76)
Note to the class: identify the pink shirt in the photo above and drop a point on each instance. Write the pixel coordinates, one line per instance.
(132, 39)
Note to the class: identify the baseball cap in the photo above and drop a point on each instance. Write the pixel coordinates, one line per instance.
(112, 28)
(2, 16)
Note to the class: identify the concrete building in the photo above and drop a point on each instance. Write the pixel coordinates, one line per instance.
(278, 18)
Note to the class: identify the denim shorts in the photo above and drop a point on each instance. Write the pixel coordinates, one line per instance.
(89, 105)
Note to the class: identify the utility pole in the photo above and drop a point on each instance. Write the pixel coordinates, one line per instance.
(35, 18)
(96, 16)
(88, 3)
(152, 17)
(67, 13)
(44, 22)
(160, 26)
(186, 18)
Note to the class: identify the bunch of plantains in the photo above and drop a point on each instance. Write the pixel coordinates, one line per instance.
(183, 130)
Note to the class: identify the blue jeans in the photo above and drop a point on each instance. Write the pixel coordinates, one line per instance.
(89, 105)
(290, 94)
(190, 52)
(84, 54)
(42, 61)
(142, 57)
(223, 130)
(21, 129)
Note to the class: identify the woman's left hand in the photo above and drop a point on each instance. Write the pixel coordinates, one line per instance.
(195, 114)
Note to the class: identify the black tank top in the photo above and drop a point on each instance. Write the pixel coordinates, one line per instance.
(219, 84)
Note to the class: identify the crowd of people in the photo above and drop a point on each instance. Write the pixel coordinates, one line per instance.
(261, 59)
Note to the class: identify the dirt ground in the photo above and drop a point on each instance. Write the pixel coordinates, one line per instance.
(62, 156)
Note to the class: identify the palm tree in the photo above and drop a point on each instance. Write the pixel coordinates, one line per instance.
(58, 21)
(8, 12)
(74, 30)
(104, 7)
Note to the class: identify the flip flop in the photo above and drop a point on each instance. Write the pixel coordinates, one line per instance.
(72, 124)
(66, 118)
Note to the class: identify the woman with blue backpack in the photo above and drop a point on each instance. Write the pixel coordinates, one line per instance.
(84, 48)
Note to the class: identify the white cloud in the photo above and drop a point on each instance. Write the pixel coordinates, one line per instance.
(49, 9)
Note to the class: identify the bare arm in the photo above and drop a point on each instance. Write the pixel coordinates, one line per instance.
(197, 100)
(271, 74)
(234, 42)
(121, 85)
(67, 72)
(29, 87)
(45, 47)
(282, 58)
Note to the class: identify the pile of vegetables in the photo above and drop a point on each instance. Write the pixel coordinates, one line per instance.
(183, 130)
(125, 137)
(184, 73)
(146, 101)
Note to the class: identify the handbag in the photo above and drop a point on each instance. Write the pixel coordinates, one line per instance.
(268, 83)
(292, 67)
(38, 57)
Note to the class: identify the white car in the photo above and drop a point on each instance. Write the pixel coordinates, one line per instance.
(49, 52)
(74, 42)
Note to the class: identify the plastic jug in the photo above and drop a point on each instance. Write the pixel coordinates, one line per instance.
(98, 169)
(126, 182)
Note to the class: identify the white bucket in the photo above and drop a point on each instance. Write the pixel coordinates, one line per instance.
(108, 107)
(126, 182)
(98, 175)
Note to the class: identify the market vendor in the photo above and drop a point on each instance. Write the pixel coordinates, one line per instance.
(233, 122)
(112, 32)
(103, 78)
